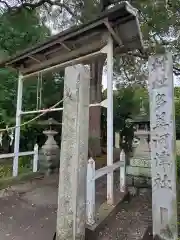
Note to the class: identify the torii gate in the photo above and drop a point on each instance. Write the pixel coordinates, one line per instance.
(116, 31)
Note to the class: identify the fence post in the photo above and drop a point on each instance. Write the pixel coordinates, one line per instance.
(122, 171)
(17, 128)
(35, 158)
(90, 193)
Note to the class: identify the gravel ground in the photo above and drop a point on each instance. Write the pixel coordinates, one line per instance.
(28, 211)
(131, 221)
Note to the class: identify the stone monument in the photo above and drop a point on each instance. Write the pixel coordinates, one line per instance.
(139, 169)
(49, 154)
(163, 143)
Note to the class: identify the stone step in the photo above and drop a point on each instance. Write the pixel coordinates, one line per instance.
(138, 171)
(135, 183)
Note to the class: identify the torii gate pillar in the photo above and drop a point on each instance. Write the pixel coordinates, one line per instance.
(71, 215)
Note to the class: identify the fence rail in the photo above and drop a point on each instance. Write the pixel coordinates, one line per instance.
(21, 154)
(105, 170)
(10, 155)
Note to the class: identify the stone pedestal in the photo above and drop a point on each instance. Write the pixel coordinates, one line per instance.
(139, 169)
(49, 154)
(143, 146)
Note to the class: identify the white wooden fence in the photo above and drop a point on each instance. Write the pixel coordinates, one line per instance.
(34, 153)
(92, 175)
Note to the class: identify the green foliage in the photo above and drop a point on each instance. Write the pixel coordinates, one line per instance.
(159, 21)
(17, 32)
(127, 104)
(5, 171)
(25, 165)
(25, 161)
(20, 31)
(159, 25)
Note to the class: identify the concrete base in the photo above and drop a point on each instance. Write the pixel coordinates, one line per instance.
(138, 176)
(139, 172)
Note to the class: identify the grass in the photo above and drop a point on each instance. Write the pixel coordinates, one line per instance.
(24, 172)
(25, 166)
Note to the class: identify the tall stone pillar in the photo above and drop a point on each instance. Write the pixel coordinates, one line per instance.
(163, 154)
(71, 213)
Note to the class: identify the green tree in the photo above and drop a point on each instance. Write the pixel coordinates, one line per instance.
(159, 22)
(16, 33)
(127, 103)
(123, 106)
(19, 31)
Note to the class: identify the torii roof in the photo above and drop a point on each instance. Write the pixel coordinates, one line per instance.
(82, 40)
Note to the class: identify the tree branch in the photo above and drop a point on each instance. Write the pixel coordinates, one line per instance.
(176, 70)
(5, 4)
(33, 6)
(124, 70)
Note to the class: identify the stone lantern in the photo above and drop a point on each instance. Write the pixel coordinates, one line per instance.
(142, 125)
(49, 154)
(139, 169)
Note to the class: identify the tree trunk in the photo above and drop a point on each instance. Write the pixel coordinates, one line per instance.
(95, 111)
